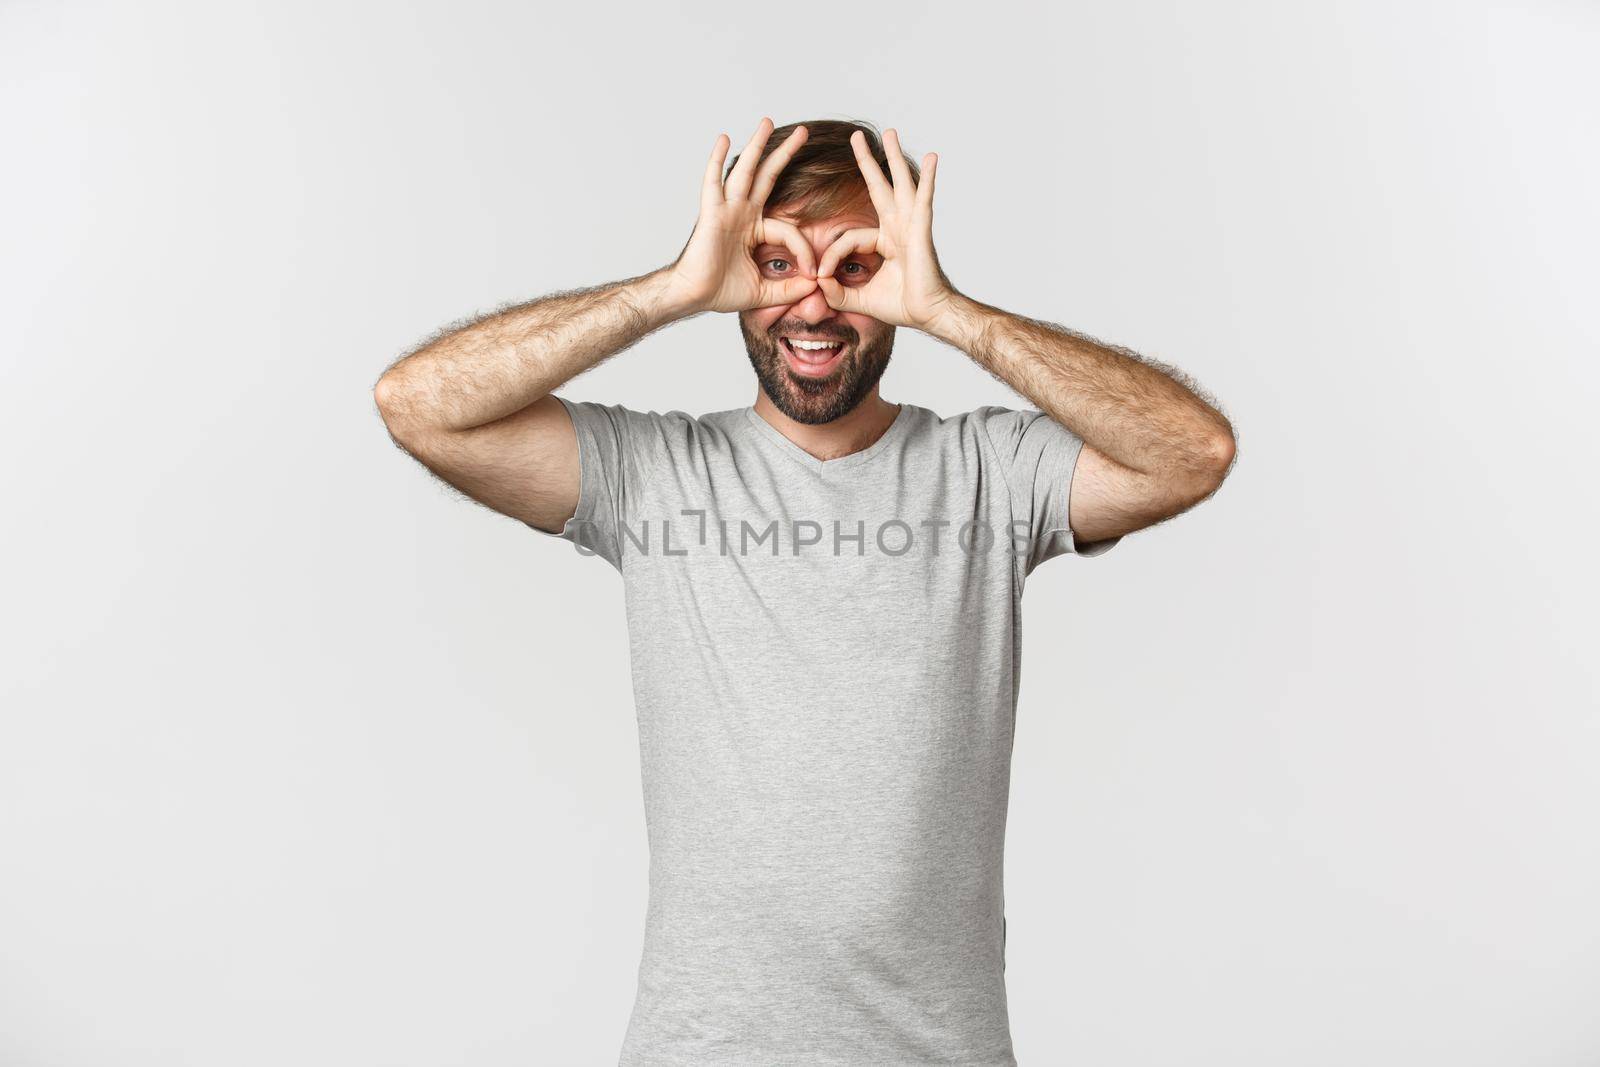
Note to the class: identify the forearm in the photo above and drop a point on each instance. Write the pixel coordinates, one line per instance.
(1132, 411)
(503, 362)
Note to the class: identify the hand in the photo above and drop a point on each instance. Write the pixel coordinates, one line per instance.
(908, 289)
(717, 270)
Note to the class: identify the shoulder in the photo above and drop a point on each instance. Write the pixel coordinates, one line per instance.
(653, 436)
(989, 431)
(626, 420)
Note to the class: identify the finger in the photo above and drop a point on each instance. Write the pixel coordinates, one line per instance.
(789, 291)
(737, 186)
(846, 244)
(767, 176)
(772, 230)
(711, 187)
(877, 185)
(925, 188)
(838, 297)
(905, 186)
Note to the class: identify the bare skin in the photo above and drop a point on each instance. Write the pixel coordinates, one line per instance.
(866, 345)
(475, 404)
(1152, 447)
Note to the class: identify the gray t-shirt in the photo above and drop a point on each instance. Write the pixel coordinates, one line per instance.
(826, 660)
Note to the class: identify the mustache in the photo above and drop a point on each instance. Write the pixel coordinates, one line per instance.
(790, 329)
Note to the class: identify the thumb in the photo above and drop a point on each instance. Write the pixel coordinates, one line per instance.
(788, 291)
(838, 297)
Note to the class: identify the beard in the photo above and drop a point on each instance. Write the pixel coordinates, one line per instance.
(816, 400)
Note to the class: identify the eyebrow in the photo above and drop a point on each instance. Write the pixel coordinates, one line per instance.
(832, 237)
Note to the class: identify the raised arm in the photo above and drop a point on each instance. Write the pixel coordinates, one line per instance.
(475, 405)
(1152, 447)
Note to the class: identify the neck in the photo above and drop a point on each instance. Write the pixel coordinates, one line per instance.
(851, 432)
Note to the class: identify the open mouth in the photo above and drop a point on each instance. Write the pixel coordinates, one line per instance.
(813, 359)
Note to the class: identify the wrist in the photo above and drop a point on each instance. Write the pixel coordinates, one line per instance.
(958, 321)
(661, 298)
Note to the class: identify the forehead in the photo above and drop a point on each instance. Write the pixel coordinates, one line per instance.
(858, 215)
(825, 231)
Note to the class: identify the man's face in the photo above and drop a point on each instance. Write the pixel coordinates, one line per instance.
(817, 386)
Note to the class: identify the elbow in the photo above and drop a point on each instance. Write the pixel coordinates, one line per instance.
(1204, 471)
(389, 395)
(1220, 453)
(1214, 462)
(383, 395)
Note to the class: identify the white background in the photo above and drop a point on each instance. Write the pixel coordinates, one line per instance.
(305, 759)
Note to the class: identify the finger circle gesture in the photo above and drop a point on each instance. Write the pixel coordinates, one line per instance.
(909, 289)
(717, 270)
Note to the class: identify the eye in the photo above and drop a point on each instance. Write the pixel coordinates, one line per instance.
(853, 272)
(777, 269)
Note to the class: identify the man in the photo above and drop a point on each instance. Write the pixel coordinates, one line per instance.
(823, 591)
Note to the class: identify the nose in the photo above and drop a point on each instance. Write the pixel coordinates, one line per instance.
(812, 308)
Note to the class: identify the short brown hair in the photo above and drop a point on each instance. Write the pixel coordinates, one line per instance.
(824, 179)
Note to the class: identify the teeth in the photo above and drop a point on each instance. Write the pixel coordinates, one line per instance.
(812, 346)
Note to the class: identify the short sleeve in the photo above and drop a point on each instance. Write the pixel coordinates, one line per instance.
(618, 451)
(1039, 457)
